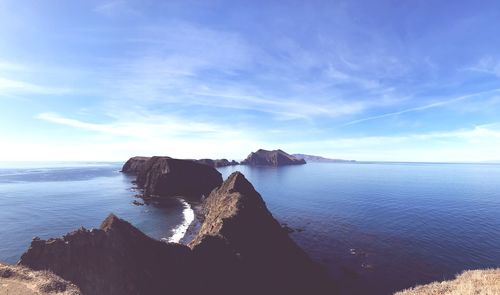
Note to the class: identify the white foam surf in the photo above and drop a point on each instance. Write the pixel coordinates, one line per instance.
(180, 231)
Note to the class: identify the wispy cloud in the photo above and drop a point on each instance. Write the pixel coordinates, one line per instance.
(485, 132)
(115, 8)
(9, 86)
(478, 143)
(10, 66)
(144, 134)
(143, 126)
(184, 63)
(423, 107)
(487, 64)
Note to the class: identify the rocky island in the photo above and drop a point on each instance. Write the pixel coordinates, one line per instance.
(165, 176)
(217, 163)
(135, 164)
(239, 249)
(271, 158)
(319, 159)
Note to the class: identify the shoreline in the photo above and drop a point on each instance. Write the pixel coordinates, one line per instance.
(194, 227)
(181, 230)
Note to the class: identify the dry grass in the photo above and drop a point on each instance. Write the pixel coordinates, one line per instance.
(20, 280)
(472, 282)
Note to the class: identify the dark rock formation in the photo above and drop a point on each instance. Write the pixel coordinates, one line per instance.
(311, 158)
(271, 158)
(240, 249)
(134, 165)
(116, 259)
(217, 163)
(236, 214)
(164, 176)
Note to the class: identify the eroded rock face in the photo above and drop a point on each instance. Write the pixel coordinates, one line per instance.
(240, 249)
(165, 176)
(134, 165)
(271, 158)
(115, 259)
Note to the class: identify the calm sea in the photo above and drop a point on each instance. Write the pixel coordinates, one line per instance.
(377, 227)
(51, 199)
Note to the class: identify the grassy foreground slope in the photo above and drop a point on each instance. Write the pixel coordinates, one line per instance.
(17, 280)
(477, 282)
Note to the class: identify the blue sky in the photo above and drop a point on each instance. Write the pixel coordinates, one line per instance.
(364, 80)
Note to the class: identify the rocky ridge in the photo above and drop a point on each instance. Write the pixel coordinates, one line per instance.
(240, 249)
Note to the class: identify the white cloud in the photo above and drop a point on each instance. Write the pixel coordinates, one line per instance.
(9, 86)
(15, 67)
(138, 134)
(144, 126)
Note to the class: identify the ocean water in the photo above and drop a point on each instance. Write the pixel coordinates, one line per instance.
(382, 227)
(376, 227)
(51, 199)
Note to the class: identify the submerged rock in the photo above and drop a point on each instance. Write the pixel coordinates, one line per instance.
(271, 158)
(134, 165)
(165, 176)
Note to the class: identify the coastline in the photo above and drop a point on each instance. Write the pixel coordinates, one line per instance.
(195, 225)
(181, 230)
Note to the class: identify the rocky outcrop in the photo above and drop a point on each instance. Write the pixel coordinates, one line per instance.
(18, 280)
(240, 249)
(271, 262)
(165, 176)
(217, 163)
(271, 158)
(134, 165)
(319, 159)
(115, 259)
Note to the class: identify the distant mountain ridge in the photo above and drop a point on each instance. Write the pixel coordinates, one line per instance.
(312, 158)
